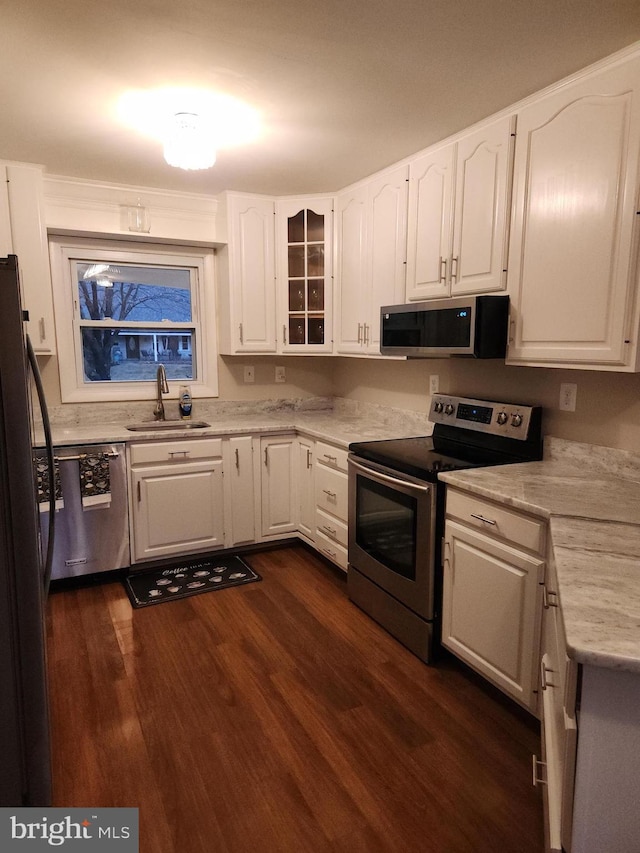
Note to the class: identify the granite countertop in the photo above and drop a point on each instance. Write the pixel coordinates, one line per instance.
(338, 427)
(591, 499)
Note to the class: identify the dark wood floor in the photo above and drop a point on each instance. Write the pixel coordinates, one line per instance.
(277, 717)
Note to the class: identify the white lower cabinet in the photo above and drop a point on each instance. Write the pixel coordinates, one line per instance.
(332, 503)
(306, 492)
(194, 495)
(558, 688)
(241, 495)
(492, 593)
(278, 485)
(177, 498)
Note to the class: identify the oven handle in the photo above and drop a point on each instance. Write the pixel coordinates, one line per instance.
(378, 475)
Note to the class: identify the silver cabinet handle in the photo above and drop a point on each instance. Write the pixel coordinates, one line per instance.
(330, 458)
(546, 593)
(332, 554)
(266, 456)
(237, 459)
(329, 494)
(43, 330)
(284, 334)
(182, 453)
(483, 519)
(330, 530)
(366, 334)
(308, 458)
(359, 333)
(454, 272)
(240, 333)
(443, 269)
(139, 493)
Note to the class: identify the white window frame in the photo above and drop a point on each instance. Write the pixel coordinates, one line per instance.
(64, 251)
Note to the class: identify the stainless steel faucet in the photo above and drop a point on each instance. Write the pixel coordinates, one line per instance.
(162, 388)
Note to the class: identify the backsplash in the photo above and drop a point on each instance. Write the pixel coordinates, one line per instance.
(89, 414)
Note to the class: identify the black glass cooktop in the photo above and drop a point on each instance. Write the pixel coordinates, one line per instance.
(425, 456)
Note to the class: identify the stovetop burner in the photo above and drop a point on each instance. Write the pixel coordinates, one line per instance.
(467, 434)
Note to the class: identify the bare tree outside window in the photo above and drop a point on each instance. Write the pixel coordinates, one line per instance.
(117, 298)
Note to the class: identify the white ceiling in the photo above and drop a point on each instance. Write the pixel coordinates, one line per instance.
(345, 87)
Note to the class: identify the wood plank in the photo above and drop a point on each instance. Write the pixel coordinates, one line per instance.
(279, 717)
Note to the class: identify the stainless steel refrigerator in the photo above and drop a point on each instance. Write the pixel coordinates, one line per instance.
(25, 766)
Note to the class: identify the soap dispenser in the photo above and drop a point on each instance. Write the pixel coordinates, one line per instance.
(185, 402)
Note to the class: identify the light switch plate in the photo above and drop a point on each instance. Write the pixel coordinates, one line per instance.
(280, 374)
(434, 383)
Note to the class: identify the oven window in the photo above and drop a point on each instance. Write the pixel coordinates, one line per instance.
(386, 526)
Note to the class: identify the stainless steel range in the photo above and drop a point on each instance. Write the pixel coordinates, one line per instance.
(396, 508)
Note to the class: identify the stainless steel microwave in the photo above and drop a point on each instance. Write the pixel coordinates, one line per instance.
(474, 326)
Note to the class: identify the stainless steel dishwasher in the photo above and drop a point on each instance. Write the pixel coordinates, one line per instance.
(91, 521)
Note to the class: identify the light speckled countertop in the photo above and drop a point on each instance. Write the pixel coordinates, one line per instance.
(591, 499)
(341, 425)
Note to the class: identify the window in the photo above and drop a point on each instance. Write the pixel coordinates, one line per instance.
(122, 310)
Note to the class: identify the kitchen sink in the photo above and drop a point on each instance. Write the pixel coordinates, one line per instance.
(164, 426)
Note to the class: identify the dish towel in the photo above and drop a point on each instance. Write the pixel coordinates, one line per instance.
(44, 484)
(95, 480)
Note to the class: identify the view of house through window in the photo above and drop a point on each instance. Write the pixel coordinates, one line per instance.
(133, 318)
(122, 309)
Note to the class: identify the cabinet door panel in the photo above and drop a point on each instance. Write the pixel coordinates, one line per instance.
(178, 509)
(306, 492)
(239, 473)
(571, 247)
(483, 183)
(387, 241)
(490, 609)
(278, 486)
(254, 275)
(29, 237)
(352, 277)
(430, 223)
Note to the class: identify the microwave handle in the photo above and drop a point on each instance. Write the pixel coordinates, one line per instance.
(393, 480)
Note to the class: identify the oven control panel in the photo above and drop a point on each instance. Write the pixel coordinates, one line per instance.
(507, 419)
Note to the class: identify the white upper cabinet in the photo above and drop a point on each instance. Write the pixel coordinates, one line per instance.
(459, 198)
(23, 233)
(572, 273)
(304, 236)
(371, 237)
(247, 285)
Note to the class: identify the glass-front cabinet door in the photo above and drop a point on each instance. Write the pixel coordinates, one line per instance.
(305, 280)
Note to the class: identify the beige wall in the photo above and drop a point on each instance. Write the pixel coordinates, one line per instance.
(608, 404)
(306, 377)
(607, 412)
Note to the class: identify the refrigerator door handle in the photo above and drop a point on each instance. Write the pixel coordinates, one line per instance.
(50, 461)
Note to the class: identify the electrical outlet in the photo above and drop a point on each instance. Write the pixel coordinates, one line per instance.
(280, 374)
(249, 374)
(568, 395)
(434, 384)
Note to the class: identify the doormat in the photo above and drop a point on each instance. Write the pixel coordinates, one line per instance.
(170, 583)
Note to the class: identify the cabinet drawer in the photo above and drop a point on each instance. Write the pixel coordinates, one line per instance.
(183, 450)
(332, 527)
(496, 520)
(332, 490)
(333, 457)
(332, 550)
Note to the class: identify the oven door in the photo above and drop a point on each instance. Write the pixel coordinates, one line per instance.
(392, 532)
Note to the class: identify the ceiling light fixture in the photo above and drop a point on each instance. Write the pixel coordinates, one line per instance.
(188, 144)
